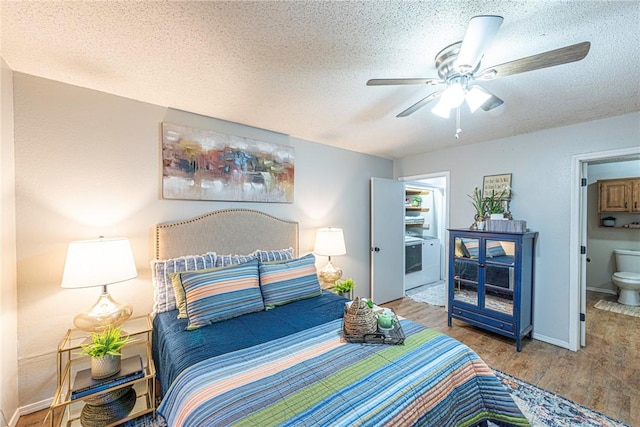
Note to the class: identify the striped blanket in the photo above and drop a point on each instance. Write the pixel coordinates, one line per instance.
(315, 378)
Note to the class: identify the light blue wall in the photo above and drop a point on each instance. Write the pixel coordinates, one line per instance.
(88, 164)
(541, 166)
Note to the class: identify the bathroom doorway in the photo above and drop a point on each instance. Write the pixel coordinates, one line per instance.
(581, 206)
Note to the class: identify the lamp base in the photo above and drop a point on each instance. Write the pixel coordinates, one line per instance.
(105, 313)
(329, 275)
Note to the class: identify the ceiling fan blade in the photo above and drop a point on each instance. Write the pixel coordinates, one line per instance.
(420, 104)
(551, 58)
(385, 82)
(480, 32)
(492, 103)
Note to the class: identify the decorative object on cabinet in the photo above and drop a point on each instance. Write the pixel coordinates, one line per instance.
(345, 288)
(621, 196)
(104, 350)
(491, 279)
(202, 164)
(99, 262)
(113, 400)
(329, 242)
(497, 184)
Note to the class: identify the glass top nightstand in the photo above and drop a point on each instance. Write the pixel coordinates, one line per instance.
(67, 412)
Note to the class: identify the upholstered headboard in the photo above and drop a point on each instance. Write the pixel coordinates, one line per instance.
(228, 231)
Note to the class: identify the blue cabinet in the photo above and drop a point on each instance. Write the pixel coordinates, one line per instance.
(491, 281)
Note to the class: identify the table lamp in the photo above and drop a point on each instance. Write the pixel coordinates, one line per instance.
(329, 242)
(99, 262)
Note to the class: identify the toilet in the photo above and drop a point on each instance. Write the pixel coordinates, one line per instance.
(627, 277)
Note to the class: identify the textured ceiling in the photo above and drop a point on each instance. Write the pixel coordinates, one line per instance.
(300, 67)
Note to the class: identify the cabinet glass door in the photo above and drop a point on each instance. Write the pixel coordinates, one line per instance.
(466, 270)
(499, 275)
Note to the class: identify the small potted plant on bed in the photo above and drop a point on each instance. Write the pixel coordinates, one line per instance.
(104, 350)
(345, 288)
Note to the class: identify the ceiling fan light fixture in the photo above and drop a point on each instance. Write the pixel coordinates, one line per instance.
(453, 95)
(441, 109)
(476, 97)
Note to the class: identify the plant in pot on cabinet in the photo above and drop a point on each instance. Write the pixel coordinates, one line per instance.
(104, 350)
(479, 204)
(345, 287)
(494, 204)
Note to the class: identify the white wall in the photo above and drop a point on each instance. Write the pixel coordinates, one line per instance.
(541, 166)
(88, 164)
(601, 241)
(8, 298)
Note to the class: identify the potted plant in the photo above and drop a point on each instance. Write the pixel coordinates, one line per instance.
(478, 203)
(494, 204)
(416, 201)
(104, 350)
(345, 287)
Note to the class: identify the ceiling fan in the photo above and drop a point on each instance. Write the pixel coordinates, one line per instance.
(458, 68)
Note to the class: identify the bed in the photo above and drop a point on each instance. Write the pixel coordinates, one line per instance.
(230, 362)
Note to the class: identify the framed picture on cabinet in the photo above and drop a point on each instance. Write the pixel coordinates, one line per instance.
(497, 184)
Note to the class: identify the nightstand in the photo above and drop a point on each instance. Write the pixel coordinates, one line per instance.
(67, 412)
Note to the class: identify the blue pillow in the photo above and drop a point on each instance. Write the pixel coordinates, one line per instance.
(494, 249)
(164, 298)
(287, 281)
(221, 294)
(470, 246)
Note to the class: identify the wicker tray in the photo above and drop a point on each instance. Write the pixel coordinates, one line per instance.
(394, 336)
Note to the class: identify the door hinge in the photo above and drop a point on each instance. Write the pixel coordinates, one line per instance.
(583, 182)
(583, 250)
(583, 317)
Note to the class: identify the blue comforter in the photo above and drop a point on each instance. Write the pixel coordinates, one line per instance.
(175, 349)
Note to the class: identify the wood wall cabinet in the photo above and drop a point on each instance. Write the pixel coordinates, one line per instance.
(619, 195)
(491, 281)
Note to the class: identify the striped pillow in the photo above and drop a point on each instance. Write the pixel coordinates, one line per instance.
(494, 249)
(470, 246)
(226, 260)
(164, 298)
(277, 255)
(287, 281)
(222, 293)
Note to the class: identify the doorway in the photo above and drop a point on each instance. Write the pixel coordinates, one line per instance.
(438, 222)
(578, 237)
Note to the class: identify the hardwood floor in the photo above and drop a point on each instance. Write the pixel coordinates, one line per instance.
(605, 375)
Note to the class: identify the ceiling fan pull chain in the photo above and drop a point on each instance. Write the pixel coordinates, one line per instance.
(458, 130)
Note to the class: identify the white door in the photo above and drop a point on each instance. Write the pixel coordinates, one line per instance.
(387, 240)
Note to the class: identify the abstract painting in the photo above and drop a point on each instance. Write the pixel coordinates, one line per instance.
(200, 164)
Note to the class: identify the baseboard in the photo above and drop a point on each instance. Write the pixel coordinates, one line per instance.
(603, 290)
(550, 340)
(35, 407)
(9, 423)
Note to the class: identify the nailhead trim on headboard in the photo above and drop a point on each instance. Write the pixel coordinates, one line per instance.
(225, 231)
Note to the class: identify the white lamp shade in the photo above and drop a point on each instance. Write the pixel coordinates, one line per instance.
(329, 242)
(476, 96)
(441, 109)
(98, 262)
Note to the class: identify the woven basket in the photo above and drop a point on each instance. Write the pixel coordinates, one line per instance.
(108, 397)
(359, 319)
(102, 415)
